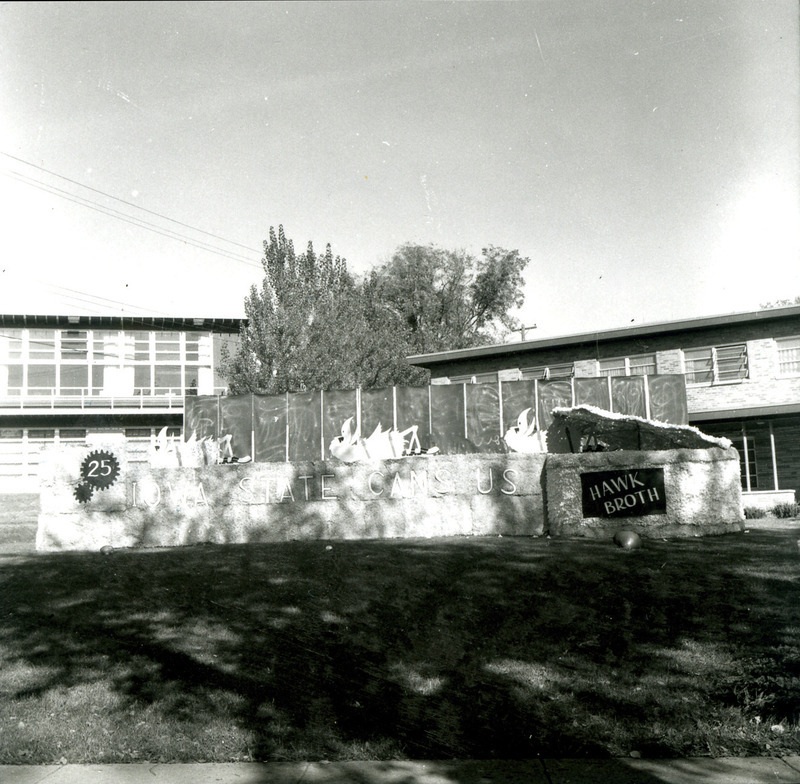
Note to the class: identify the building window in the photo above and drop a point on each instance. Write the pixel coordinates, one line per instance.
(41, 344)
(747, 446)
(72, 434)
(74, 379)
(141, 343)
(105, 348)
(168, 378)
(716, 364)
(168, 347)
(41, 379)
(142, 380)
(475, 378)
(137, 432)
(11, 344)
(548, 372)
(640, 365)
(41, 435)
(74, 345)
(14, 383)
(789, 356)
(198, 348)
(612, 367)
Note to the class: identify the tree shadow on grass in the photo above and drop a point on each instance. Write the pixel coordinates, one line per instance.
(435, 649)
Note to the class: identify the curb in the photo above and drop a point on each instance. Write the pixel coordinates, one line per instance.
(724, 770)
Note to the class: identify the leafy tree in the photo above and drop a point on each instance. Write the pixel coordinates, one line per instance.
(447, 299)
(311, 325)
(780, 303)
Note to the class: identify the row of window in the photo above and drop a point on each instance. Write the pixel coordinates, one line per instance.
(76, 380)
(112, 363)
(104, 347)
(707, 365)
(78, 433)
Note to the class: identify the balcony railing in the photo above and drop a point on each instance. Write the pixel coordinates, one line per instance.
(92, 400)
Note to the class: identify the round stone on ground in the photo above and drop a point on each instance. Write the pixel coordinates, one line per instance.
(627, 540)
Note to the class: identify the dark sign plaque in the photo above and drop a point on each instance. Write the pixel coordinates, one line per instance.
(633, 492)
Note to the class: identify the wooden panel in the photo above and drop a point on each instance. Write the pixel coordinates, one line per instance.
(270, 422)
(377, 408)
(305, 426)
(337, 407)
(592, 392)
(236, 420)
(668, 399)
(627, 395)
(201, 417)
(412, 409)
(483, 418)
(517, 396)
(553, 394)
(447, 419)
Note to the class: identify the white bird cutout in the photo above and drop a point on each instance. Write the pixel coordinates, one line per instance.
(526, 437)
(380, 445)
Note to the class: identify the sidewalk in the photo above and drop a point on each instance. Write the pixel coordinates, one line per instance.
(727, 770)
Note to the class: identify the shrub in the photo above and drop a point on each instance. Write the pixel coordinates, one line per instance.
(754, 512)
(786, 510)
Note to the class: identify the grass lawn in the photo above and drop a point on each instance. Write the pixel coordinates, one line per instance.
(466, 648)
(18, 519)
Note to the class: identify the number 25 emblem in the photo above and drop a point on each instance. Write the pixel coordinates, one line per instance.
(100, 469)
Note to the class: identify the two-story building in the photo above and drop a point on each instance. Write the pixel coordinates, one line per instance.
(71, 378)
(742, 375)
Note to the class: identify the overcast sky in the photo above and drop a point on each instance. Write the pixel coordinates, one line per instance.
(644, 155)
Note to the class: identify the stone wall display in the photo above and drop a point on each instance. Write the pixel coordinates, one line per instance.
(454, 495)
(669, 493)
(95, 497)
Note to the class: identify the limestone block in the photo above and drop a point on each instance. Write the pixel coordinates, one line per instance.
(507, 515)
(435, 517)
(384, 519)
(76, 531)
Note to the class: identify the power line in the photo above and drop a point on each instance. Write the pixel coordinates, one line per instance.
(141, 223)
(122, 201)
(95, 299)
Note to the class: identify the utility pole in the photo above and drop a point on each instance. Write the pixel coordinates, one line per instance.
(522, 331)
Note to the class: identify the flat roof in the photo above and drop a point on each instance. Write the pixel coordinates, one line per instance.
(640, 330)
(192, 323)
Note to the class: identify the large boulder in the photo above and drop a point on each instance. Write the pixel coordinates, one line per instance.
(590, 429)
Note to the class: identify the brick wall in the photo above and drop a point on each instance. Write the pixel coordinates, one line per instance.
(586, 368)
(762, 388)
(668, 362)
(667, 344)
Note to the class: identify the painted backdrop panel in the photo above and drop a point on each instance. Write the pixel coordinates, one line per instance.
(517, 396)
(236, 420)
(627, 395)
(337, 407)
(201, 416)
(412, 409)
(270, 422)
(447, 419)
(305, 426)
(553, 394)
(668, 399)
(592, 392)
(377, 408)
(483, 418)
